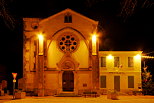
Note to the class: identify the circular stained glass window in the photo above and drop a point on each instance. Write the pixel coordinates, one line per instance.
(68, 42)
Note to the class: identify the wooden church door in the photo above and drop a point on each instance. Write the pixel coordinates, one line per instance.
(68, 81)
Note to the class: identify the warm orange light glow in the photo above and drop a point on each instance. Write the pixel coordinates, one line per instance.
(94, 38)
(110, 56)
(94, 45)
(14, 75)
(41, 40)
(40, 36)
(138, 56)
(148, 57)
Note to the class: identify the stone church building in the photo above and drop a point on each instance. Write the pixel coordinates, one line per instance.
(61, 54)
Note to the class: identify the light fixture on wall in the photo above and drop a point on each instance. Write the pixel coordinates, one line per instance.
(137, 57)
(41, 40)
(110, 56)
(94, 40)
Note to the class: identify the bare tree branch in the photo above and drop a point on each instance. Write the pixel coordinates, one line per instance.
(129, 7)
(4, 14)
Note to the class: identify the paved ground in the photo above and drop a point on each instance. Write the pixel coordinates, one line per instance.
(102, 99)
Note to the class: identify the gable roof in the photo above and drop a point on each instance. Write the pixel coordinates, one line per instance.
(70, 11)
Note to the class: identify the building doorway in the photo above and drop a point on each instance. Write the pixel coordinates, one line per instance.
(68, 81)
(117, 83)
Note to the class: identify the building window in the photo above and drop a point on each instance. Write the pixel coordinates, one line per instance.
(103, 82)
(116, 61)
(130, 62)
(68, 42)
(103, 61)
(130, 81)
(68, 18)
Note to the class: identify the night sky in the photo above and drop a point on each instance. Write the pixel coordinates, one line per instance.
(117, 32)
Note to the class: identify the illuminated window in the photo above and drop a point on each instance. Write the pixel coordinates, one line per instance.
(68, 18)
(130, 81)
(130, 62)
(116, 61)
(103, 82)
(103, 61)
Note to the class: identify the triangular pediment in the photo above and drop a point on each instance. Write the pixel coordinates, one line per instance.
(70, 11)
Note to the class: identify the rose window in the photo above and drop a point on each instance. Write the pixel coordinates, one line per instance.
(68, 43)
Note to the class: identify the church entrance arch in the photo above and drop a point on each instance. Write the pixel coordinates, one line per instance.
(68, 81)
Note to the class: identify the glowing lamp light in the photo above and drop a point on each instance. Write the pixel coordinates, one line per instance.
(138, 57)
(40, 36)
(148, 57)
(94, 52)
(94, 38)
(110, 56)
(14, 75)
(41, 40)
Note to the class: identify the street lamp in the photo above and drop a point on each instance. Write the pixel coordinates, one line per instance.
(14, 81)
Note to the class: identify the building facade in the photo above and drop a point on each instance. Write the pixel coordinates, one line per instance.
(61, 54)
(120, 71)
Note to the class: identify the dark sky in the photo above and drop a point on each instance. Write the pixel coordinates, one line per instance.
(118, 33)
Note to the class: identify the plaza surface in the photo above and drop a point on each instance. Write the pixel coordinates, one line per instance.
(101, 99)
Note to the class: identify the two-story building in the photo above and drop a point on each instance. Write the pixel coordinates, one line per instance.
(120, 71)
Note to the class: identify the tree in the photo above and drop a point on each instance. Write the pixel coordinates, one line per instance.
(147, 84)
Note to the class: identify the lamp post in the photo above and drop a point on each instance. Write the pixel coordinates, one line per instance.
(14, 81)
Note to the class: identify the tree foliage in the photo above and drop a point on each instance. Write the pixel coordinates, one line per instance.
(147, 84)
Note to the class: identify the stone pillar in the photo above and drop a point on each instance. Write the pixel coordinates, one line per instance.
(95, 72)
(95, 67)
(40, 75)
(40, 69)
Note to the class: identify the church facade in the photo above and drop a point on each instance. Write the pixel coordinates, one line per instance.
(61, 54)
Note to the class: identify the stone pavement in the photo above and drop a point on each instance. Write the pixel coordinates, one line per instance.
(101, 99)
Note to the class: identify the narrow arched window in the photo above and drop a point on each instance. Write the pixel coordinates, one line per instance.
(68, 18)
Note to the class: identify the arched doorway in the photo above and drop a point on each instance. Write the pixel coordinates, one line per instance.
(68, 81)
